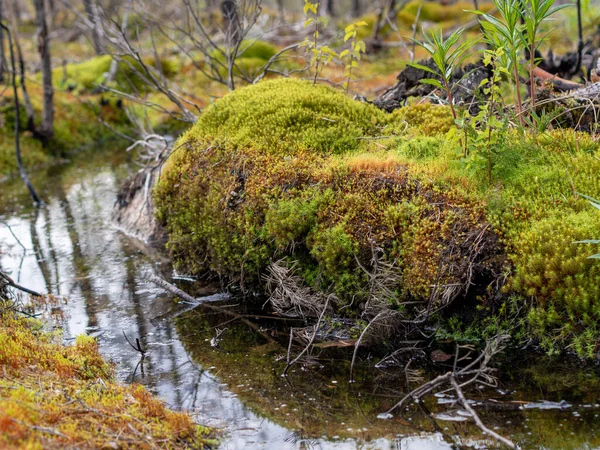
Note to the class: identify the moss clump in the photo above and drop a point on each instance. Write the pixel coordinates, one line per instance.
(282, 169)
(287, 116)
(88, 75)
(289, 170)
(56, 396)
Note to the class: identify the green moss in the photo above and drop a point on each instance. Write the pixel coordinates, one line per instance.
(285, 116)
(252, 56)
(425, 118)
(88, 75)
(288, 169)
(32, 153)
(438, 13)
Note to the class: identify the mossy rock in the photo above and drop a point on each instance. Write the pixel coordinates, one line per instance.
(284, 169)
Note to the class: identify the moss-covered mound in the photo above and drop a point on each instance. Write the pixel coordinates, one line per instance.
(374, 206)
(279, 171)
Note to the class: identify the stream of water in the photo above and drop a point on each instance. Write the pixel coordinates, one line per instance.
(72, 249)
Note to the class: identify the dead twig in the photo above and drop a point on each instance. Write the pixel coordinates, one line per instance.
(9, 281)
(478, 422)
(137, 347)
(312, 339)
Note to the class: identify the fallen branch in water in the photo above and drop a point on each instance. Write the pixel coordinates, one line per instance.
(9, 282)
(476, 418)
(184, 295)
(205, 302)
(478, 370)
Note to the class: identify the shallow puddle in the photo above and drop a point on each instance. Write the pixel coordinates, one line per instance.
(71, 248)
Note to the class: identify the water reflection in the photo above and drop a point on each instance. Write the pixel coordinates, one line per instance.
(70, 248)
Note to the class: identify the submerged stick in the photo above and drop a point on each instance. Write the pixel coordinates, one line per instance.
(312, 339)
(184, 295)
(205, 302)
(476, 418)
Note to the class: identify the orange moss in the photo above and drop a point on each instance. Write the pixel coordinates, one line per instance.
(56, 396)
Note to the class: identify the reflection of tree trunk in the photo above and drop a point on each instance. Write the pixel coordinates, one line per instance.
(47, 126)
(51, 251)
(80, 264)
(140, 317)
(37, 248)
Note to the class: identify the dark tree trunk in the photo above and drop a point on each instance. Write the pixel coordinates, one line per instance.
(356, 8)
(21, 71)
(22, 171)
(91, 10)
(2, 55)
(47, 125)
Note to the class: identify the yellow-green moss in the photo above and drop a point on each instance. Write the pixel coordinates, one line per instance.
(426, 118)
(274, 170)
(285, 116)
(57, 396)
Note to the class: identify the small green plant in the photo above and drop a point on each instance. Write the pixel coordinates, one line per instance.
(321, 55)
(535, 13)
(486, 124)
(354, 53)
(447, 56)
(508, 33)
(596, 204)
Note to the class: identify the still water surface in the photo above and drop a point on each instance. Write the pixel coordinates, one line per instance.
(72, 249)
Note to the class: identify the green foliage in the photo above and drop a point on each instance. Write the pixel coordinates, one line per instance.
(448, 56)
(357, 48)
(536, 12)
(320, 55)
(506, 32)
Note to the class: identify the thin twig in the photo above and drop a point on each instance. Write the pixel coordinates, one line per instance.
(476, 418)
(312, 339)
